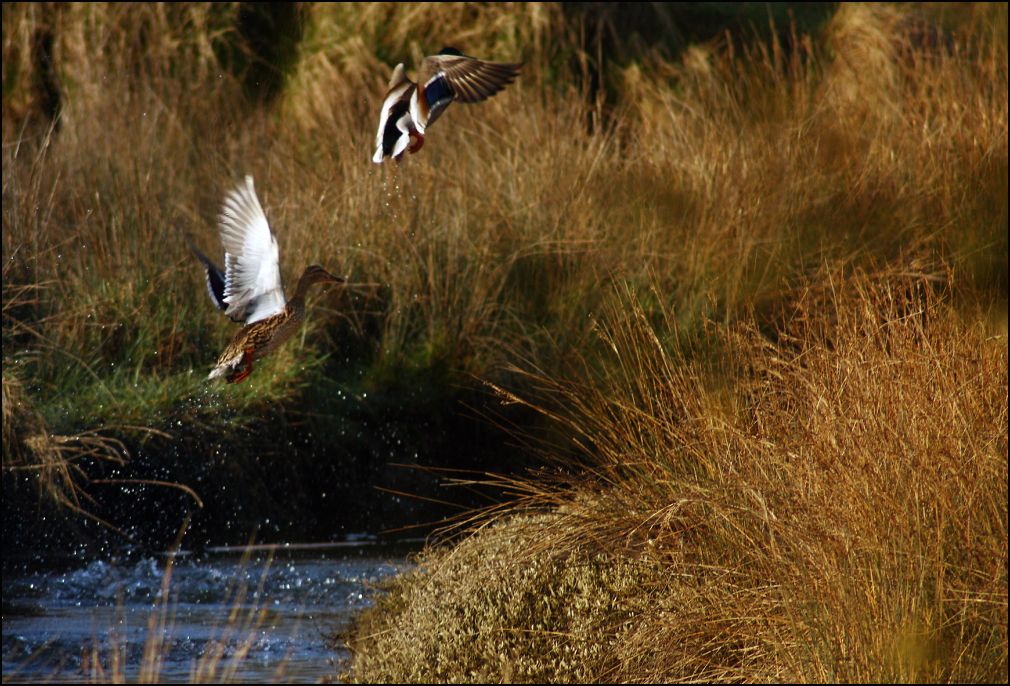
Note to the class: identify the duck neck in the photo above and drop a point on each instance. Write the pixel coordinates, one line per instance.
(297, 301)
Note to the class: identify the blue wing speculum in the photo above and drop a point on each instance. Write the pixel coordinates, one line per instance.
(438, 94)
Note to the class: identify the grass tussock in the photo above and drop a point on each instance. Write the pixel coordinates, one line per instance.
(53, 462)
(831, 506)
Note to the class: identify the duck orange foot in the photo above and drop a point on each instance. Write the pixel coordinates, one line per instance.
(247, 359)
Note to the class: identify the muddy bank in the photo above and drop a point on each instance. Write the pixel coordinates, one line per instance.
(332, 464)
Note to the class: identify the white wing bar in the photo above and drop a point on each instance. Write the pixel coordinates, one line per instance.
(251, 257)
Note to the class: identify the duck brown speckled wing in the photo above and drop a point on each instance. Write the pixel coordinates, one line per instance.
(446, 77)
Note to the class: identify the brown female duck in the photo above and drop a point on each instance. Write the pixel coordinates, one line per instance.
(249, 290)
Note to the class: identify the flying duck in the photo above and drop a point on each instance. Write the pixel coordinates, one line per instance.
(409, 108)
(249, 289)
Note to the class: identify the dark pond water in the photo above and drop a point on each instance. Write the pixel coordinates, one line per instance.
(268, 613)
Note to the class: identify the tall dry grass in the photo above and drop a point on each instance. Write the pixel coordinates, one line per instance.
(727, 176)
(826, 506)
(823, 501)
(859, 144)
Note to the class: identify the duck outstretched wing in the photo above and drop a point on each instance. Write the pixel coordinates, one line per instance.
(215, 282)
(252, 275)
(448, 77)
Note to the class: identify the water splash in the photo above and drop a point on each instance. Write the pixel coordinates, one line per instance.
(53, 620)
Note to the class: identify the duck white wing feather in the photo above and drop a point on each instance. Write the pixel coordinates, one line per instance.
(252, 272)
(393, 135)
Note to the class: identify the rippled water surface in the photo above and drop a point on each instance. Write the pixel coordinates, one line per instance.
(273, 608)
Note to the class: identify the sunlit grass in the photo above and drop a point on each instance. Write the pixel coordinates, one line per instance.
(828, 506)
(725, 176)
